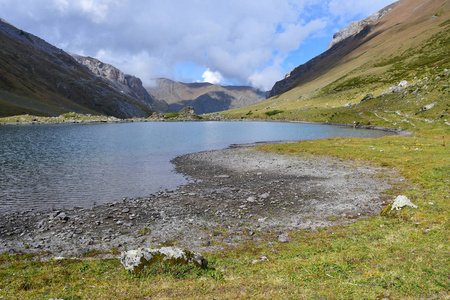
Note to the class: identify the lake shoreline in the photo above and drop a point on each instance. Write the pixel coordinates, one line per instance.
(397, 131)
(234, 194)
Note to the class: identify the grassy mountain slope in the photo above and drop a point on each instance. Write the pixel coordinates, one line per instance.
(411, 42)
(37, 78)
(204, 97)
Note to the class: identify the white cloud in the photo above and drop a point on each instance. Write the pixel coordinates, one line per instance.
(242, 38)
(294, 34)
(61, 5)
(98, 10)
(349, 8)
(212, 77)
(264, 79)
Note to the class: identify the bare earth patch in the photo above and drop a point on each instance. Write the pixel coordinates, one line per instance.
(235, 194)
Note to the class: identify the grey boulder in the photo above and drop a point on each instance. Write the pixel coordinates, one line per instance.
(136, 260)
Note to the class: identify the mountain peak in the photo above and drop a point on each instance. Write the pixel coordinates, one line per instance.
(356, 27)
(38, 78)
(204, 97)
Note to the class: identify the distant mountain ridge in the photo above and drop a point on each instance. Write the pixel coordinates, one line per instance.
(204, 97)
(38, 78)
(127, 84)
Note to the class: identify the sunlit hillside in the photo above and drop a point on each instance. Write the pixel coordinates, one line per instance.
(395, 76)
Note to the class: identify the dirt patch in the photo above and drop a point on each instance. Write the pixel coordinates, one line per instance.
(234, 194)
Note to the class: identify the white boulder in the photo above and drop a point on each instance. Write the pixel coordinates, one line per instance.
(136, 260)
(402, 201)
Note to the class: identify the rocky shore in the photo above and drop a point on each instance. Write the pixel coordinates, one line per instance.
(234, 194)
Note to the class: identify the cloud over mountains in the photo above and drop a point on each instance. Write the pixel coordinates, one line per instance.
(235, 41)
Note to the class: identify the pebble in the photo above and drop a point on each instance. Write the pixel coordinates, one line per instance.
(283, 238)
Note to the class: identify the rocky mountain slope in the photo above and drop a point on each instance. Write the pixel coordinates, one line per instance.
(38, 78)
(204, 97)
(344, 42)
(124, 83)
(392, 71)
(357, 26)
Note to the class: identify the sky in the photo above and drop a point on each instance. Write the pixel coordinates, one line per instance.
(229, 42)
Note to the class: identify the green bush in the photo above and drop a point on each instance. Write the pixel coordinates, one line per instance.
(274, 112)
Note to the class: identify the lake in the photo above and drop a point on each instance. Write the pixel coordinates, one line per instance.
(62, 166)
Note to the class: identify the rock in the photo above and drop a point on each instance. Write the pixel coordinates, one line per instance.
(427, 107)
(261, 259)
(367, 97)
(283, 238)
(222, 176)
(187, 112)
(403, 83)
(136, 260)
(62, 216)
(264, 196)
(402, 201)
(251, 199)
(396, 89)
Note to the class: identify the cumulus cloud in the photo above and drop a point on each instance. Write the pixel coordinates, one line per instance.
(246, 41)
(212, 77)
(264, 79)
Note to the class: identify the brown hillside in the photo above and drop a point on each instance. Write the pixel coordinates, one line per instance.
(38, 78)
(408, 23)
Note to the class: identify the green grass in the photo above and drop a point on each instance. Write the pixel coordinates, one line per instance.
(273, 112)
(171, 115)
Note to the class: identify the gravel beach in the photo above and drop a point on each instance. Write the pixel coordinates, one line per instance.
(235, 194)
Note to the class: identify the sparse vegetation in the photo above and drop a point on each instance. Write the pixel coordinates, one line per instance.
(273, 112)
(171, 115)
(71, 117)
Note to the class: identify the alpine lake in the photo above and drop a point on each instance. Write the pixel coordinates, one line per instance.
(46, 167)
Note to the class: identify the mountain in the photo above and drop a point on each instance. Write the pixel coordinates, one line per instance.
(391, 69)
(126, 84)
(204, 97)
(344, 42)
(38, 78)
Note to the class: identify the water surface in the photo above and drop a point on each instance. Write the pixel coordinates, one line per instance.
(54, 166)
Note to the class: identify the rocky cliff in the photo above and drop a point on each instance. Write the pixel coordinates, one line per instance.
(204, 97)
(126, 84)
(357, 26)
(38, 78)
(344, 42)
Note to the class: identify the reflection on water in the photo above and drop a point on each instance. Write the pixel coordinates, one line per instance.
(48, 166)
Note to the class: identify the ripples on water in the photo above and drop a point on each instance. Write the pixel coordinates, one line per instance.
(54, 166)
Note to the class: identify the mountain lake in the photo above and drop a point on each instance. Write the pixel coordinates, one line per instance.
(62, 166)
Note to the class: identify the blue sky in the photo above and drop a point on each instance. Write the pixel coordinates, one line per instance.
(238, 42)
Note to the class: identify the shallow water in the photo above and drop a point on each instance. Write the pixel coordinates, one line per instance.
(54, 166)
